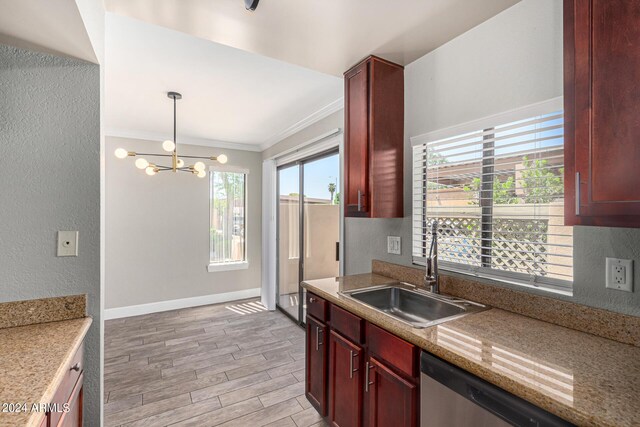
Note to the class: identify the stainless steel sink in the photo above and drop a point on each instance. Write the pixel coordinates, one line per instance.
(413, 306)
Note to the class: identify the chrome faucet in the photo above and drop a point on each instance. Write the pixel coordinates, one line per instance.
(432, 278)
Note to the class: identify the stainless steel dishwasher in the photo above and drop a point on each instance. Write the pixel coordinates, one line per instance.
(452, 397)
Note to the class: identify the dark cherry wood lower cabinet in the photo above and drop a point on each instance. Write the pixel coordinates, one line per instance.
(345, 382)
(391, 399)
(358, 374)
(316, 365)
(68, 396)
(73, 418)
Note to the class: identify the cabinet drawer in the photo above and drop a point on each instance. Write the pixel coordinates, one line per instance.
(317, 307)
(395, 351)
(72, 373)
(349, 325)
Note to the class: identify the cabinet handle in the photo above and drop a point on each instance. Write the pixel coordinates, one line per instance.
(75, 367)
(318, 334)
(577, 193)
(367, 383)
(312, 299)
(351, 370)
(359, 200)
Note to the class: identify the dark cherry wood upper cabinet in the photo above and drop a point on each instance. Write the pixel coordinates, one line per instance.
(602, 112)
(345, 382)
(374, 139)
(392, 399)
(316, 365)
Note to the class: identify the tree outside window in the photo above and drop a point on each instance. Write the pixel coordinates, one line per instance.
(228, 221)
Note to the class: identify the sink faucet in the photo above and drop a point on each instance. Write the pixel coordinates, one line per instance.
(432, 278)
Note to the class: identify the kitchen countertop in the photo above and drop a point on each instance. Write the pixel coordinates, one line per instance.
(582, 378)
(33, 361)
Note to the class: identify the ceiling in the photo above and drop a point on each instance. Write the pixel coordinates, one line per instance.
(324, 35)
(231, 98)
(250, 79)
(52, 26)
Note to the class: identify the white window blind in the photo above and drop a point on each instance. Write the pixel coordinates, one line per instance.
(498, 196)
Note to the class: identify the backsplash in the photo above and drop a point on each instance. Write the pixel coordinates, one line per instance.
(29, 312)
(607, 324)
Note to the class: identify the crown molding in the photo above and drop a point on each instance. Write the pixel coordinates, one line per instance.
(156, 136)
(312, 118)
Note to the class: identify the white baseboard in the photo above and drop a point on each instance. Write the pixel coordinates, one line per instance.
(155, 307)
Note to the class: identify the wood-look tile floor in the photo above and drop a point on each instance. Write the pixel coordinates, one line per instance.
(232, 364)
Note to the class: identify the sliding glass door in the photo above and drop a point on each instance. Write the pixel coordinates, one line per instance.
(289, 239)
(308, 227)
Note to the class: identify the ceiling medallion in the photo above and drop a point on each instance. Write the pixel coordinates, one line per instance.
(170, 146)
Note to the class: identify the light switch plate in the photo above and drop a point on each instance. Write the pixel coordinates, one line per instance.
(619, 274)
(394, 245)
(67, 243)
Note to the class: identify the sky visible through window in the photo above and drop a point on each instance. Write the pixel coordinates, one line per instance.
(317, 176)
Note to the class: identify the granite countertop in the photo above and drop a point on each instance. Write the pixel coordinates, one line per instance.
(33, 361)
(585, 379)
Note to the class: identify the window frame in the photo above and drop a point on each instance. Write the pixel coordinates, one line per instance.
(219, 266)
(486, 124)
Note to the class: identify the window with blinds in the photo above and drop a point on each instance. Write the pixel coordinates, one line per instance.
(498, 196)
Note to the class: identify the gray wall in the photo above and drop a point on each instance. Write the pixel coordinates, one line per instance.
(511, 60)
(157, 229)
(50, 175)
(591, 245)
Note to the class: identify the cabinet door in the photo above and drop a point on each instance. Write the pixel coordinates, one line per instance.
(316, 365)
(392, 400)
(45, 421)
(345, 385)
(73, 418)
(356, 86)
(602, 105)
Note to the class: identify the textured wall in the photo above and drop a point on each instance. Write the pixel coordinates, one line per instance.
(366, 239)
(50, 175)
(591, 245)
(157, 229)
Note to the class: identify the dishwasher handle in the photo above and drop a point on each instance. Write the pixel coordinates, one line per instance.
(498, 407)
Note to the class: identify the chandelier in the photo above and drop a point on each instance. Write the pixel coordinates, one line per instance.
(171, 147)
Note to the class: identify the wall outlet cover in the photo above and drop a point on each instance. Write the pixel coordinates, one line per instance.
(67, 243)
(619, 274)
(394, 245)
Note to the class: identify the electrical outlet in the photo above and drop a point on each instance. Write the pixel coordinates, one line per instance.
(67, 243)
(394, 245)
(619, 274)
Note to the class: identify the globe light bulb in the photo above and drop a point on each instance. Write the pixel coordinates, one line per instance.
(180, 163)
(121, 153)
(168, 145)
(222, 158)
(141, 163)
(199, 166)
(150, 171)
(201, 174)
